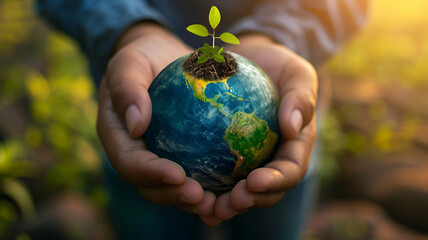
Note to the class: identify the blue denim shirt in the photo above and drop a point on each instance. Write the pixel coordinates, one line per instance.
(313, 29)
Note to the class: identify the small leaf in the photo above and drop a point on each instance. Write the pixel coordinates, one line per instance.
(221, 51)
(204, 50)
(207, 47)
(214, 17)
(203, 58)
(229, 38)
(198, 29)
(219, 58)
(214, 50)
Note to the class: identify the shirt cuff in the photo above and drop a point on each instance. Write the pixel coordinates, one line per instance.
(102, 29)
(293, 34)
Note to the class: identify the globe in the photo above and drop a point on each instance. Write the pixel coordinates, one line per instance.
(217, 130)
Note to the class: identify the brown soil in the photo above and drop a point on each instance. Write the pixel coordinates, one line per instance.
(210, 70)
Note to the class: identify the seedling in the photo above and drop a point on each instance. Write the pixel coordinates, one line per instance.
(212, 52)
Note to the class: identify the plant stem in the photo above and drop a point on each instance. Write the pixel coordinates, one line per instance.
(213, 38)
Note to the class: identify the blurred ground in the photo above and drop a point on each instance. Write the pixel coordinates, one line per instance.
(374, 162)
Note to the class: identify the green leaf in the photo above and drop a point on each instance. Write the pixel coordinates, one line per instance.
(221, 51)
(219, 58)
(229, 38)
(214, 17)
(203, 58)
(208, 48)
(214, 50)
(198, 29)
(204, 50)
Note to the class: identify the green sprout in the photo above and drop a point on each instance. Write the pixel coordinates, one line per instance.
(212, 52)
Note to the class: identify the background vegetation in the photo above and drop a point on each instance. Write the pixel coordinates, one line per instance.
(375, 136)
(48, 143)
(378, 82)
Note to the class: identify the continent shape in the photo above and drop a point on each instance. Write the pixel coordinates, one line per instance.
(248, 137)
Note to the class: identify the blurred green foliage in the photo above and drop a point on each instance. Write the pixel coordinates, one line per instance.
(47, 116)
(389, 57)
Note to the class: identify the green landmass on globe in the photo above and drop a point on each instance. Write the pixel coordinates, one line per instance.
(251, 140)
(248, 137)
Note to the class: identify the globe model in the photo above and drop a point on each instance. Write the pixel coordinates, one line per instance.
(217, 130)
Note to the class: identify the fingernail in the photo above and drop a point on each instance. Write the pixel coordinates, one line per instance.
(296, 120)
(132, 116)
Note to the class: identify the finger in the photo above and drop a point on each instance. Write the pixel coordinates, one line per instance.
(295, 77)
(132, 70)
(298, 86)
(206, 206)
(242, 199)
(190, 192)
(288, 167)
(132, 161)
(129, 76)
(211, 220)
(203, 208)
(223, 209)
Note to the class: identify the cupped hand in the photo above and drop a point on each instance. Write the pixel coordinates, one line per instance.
(125, 112)
(297, 83)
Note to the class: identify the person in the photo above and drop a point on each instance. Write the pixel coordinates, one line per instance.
(129, 42)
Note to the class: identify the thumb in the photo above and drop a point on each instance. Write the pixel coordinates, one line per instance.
(129, 76)
(296, 110)
(298, 88)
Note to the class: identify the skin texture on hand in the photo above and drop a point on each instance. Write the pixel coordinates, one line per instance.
(125, 113)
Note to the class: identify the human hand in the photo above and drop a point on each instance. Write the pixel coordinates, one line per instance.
(297, 83)
(125, 112)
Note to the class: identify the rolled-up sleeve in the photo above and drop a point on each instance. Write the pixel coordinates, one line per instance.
(313, 29)
(96, 24)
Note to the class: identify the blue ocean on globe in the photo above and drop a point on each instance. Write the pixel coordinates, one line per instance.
(217, 130)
